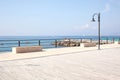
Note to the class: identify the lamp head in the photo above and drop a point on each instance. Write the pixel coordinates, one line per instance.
(93, 20)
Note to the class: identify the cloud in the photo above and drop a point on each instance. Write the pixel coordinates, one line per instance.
(89, 26)
(106, 8)
(86, 26)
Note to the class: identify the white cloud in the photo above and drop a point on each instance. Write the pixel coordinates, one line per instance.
(86, 26)
(106, 8)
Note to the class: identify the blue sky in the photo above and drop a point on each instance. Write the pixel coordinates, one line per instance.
(58, 17)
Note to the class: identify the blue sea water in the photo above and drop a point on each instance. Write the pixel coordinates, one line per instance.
(41, 37)
(51, 37)
(7, 42)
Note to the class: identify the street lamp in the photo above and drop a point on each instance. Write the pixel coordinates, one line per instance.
(93, 20)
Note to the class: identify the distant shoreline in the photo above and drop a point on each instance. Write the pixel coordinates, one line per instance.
(50, 37)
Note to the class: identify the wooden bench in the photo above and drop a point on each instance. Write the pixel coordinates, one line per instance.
(87, 44)
(25, 49)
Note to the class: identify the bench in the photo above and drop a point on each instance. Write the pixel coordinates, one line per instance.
(87, 44)
(117, 42)
(25, 49)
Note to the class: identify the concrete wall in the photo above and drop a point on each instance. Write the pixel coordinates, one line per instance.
(26, 49)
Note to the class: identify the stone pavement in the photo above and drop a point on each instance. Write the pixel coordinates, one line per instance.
(77, 65)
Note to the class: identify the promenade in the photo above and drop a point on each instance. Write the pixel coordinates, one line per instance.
(70, 63)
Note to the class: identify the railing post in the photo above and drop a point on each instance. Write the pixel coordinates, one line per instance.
(113, 40)
(39, 42)
(91, 40)
(19, 43)
(119, 40)
(81, 40)
(69, 43)
(55, 43)
(107, 40)
(101, 40)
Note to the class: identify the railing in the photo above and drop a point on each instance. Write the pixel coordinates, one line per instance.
(6, 45)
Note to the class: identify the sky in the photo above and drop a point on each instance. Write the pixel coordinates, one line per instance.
(58, 17)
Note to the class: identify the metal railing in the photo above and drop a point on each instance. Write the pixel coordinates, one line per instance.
(6, 45)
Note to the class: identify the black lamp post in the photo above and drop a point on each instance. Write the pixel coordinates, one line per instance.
(98, 14)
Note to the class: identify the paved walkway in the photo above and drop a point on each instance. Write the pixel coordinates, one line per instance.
(80, 65)
(50, 52)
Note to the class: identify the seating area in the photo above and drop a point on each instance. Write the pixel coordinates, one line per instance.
(87, 44)
(117, 42)
(68, 43)
(26, 49)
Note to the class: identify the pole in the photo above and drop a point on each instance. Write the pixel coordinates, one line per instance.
(98, 14)
(99, 31)
(55, 43)
(39, 42)
(19, 43)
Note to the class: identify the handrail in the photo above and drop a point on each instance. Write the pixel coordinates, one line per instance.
(46, 43)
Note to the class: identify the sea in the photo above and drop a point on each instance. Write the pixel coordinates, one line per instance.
(7, 42)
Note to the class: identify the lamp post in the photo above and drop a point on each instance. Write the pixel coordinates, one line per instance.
(93, 20)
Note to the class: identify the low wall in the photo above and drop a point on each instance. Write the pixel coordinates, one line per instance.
(26, 49)
(87, 44)
(117, 42)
